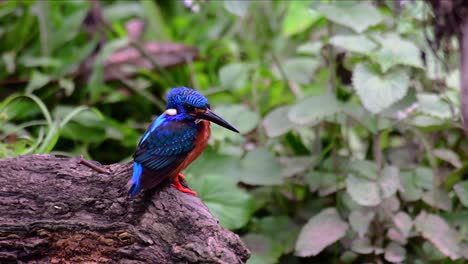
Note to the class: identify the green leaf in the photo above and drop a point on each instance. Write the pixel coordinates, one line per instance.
(230, 204)
(439, 233)
(363, 191)
(68, 85)
(234, 76)
(277, 123)
(389, 181)
(396, 51)
(395, 253)
(239, 8)
(449, 156)
(298, 17)
(69, 28)
(453, 80)
(314, 109)
(365, 168)
(461, 189)
(356, 15)
(438, 198)
(239, 116)
(96, 81)
(326, 183)
(403, 222)
(216, 164)
(354, 43)
(260, 167)
(300, 70)
(379, 91)
(319, 232)
(360, 221)
(433, 105)
(292, 166)
(263, 249)
(310, 48)
(155, 26)
(413, 183)
(37, 81)
(281, 229)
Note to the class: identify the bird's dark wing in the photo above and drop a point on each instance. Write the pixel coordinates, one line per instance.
(164, 149)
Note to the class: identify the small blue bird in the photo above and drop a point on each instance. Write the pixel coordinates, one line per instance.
(173, 141)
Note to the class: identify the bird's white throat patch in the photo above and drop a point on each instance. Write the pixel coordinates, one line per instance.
(171, 112)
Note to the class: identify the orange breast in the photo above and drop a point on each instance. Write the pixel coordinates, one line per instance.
(200, 145)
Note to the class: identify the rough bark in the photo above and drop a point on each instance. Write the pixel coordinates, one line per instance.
(57, 210)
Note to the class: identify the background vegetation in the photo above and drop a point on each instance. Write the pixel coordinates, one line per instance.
(351, 148)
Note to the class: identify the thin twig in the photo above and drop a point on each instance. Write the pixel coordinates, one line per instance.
(81, 160)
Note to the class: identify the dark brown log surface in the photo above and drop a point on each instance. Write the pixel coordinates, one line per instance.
(57, 210)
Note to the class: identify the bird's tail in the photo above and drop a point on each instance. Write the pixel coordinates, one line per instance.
(135, 181)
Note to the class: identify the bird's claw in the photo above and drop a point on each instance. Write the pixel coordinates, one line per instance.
(179, 186)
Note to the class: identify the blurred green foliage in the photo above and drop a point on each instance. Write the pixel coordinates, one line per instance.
(351, 148)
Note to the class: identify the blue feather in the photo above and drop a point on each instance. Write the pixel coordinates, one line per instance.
(155, 124)
(135, 181)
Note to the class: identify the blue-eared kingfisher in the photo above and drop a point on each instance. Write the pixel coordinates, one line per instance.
(173, 140)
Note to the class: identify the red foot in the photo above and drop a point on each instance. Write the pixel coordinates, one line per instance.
(179, 186)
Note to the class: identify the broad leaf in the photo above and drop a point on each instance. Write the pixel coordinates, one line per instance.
(461, 189)
(239, 116)
(439, 233)
(300, 70)
(396, 51)
(295, 165)
(438, 198)
(215, 163)
(360, 221)
(263, 249)
(282, 230)
(354, 43)
(320, 231)
(378, 91)
(38, 80)
(234, 76)
(403, 222)
(355, 15)
(389, 181)
(449, 156)
(395, 253)
(298, 17)
(325, 182)
(314, 109)
(433, 105)
(277, 123)
(365, 192)
(414, 183)
(260, 167)
(231, 205)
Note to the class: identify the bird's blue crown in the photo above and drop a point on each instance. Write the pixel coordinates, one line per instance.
(183, 96)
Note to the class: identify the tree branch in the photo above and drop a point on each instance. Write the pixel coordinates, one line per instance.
(58, 210)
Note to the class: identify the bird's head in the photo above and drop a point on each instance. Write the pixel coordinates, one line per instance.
(187, 104)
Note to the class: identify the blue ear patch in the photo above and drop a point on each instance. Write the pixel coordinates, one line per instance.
(155, 124)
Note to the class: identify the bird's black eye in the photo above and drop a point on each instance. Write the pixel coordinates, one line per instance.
(208, 106)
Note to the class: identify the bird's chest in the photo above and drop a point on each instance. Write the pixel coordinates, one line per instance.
(200, 143)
